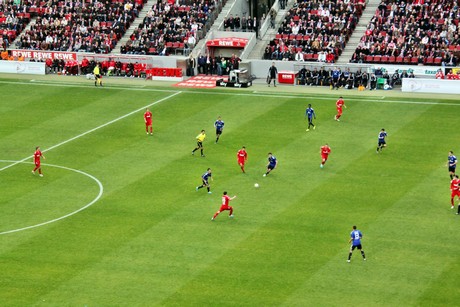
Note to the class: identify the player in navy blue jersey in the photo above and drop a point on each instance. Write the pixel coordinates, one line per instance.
(205, 179)
(382, 142)
(355, 239)
(219, 124)
(452, 164)
(310, 114)
(272, 163)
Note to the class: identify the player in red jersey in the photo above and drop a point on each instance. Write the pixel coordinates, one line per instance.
(37, 155)
(148, 121)
(455, 190)
(225, 200)
(325, 151)
(340, 104)
(242, 157)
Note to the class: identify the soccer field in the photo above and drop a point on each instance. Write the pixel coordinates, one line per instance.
(116, 220)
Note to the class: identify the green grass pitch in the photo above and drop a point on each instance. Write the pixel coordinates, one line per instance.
(148, 240)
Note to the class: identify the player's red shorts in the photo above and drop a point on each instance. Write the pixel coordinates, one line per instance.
(148, 123)
(324, 157)
(225, 207)
(455, 193)
(241, 161)
(339, 111)
(37, 163)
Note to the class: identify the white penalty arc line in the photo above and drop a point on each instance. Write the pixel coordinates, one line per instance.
(94, 129)
(101, 191)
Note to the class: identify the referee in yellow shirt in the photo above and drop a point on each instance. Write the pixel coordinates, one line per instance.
(97, 75)
(199, 142)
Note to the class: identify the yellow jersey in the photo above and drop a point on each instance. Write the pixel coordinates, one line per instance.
(96, 70)
(200, 137)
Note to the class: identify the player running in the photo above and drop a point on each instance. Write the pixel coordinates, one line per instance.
(219, 125)
(199, 142)
(452, 164)
(242, 156)
(324, 151)
(225, 201)
(454, 189)
(205, 181)
(37, 155)
(340, 104)
(272, 163)
(381, 143)
(148, 121)
(310, 114)
(355, 237)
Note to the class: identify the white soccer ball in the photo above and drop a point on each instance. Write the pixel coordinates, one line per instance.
(256, 185)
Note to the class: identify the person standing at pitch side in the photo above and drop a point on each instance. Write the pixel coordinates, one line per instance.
(272, 73)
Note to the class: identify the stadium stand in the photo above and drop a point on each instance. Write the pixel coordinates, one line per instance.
(77, 26)
(414, 32)
(13, 19)
(170, 28)
(319, 30)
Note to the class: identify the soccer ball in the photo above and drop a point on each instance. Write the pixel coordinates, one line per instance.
(256, 185)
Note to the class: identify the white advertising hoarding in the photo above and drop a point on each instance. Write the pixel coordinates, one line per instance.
(20, 67)
(419, 85)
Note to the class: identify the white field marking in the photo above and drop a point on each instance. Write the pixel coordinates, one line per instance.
(259, 94)
(101, 190)
(92, 130)
(67, 83)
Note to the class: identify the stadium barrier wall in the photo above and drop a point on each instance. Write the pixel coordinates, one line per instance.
(419, 71)
(22, 67)
(420, 85)
(259, 68)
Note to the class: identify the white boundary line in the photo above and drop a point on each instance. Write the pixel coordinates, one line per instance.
(101, 190)
(92, 130)
(253, 93)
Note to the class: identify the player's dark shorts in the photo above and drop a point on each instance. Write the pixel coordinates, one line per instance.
(218, 131)
(310, 119)
(199, 144)
(97, 76)
(205, 182)
(356, 246)
(452, 169)
(271, 166)
(382, 142)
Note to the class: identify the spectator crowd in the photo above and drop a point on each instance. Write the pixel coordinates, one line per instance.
(171, 26)
(315, 30)
(412, 32)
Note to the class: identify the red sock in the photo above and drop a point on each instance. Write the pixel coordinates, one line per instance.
(231, 211)
(242, 168)
(216, 214)
(36, 167)
(452, 201)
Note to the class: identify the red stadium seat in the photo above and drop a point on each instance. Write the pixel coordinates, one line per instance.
(385, 58)
(437, 60)
(406, 60)
(392, 59)
(399, 59)
(368, 58)
(429, 60)
(377, 59)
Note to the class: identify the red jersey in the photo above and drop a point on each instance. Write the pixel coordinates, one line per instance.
(340, 103)
(225, 200)
(242, 155)
(148, 117)
(454, 184)
(37, 155)
(325, 150)
(439, 75)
